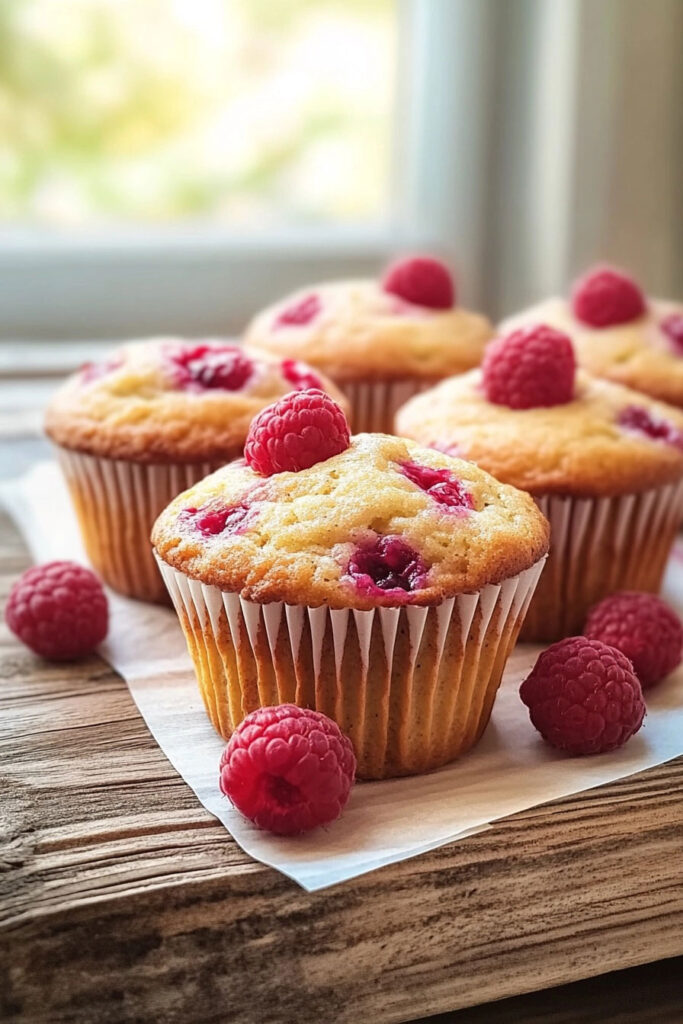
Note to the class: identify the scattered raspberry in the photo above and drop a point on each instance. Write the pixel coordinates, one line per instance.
(300, 375)
(604, 297)
(389, 565)
(422, 281)
(672, 326)
(59, 610)
(531, 367)
(212, 366)
(440, 484)
(294, 433)
(288, 769)
(643, 628)
(217, 518)
(641, 421)
(299, 313)
(583, 696)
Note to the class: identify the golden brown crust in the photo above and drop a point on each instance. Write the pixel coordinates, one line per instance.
(135, 412)
(576, 449)
(308, 524)
(637, 354)
(362, 332)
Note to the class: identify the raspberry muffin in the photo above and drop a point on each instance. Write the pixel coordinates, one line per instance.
(378, 582)
(149, 421)
(380, 341)
(603, 462)
(618, 333)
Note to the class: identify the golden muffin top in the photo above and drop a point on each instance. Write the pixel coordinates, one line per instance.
(383, 523)
(607, 440)
(170, 400)
(353, 329)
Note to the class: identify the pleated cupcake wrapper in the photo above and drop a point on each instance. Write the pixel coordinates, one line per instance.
(412, 686)
(374, 403)
(117, 503)
(599, 546)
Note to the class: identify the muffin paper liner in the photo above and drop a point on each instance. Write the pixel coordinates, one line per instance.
(599, 546)
(413, 687)
(116, 503)
(374, 403)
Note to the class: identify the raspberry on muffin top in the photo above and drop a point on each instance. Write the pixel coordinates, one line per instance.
(406, 324)
(533, 422)
(617, 332)
(381, 523)
(169, 400)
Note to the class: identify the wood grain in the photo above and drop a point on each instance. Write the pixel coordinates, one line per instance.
(122, 899)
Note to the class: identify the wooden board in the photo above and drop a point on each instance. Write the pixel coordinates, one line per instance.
(122, 899)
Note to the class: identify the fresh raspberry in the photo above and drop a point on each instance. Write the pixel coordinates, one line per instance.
(288, 769)
(300, 313)
(531, 367)
(641, 421)
(217, 518)
(294, 433)
(672, 326)
(583, 696)
(212, 366)
(388, 565)
(439, 484)
(421, 280)
(300, 375)
(59, 610)
(643, 628)
(605, 297)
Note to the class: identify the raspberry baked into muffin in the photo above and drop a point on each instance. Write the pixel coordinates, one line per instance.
(604, 463)
(378, 582)
(618, 333)
(147, 422)
(380, 341)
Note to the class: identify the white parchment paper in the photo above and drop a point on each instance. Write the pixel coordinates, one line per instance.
(510, 769)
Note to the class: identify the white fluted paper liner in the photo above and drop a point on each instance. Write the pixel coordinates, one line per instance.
(388, 739)
(509, 770)
(599, 546)
(374, 403)
(117, 503)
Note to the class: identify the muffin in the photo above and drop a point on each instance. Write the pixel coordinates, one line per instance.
(617, 333)
(384, 585)
(150, 420)
(379, 341)
(603, 462)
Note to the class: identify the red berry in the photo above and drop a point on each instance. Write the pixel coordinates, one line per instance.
(59, 610)
(583, 696)
(294, 433)
(422, 281)
(217, 518)
(300, 375)
(605, 297)
(213, 366)
(288, 769)
(439, 484)
(641, 421)
(300, 313)
(531, 367)
(643, 628)
(389, 565)
(672, 326)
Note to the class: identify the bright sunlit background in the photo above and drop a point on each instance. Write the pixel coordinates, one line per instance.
(172, 165)
(252, 113)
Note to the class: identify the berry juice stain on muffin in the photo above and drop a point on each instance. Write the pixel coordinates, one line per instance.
(641, 421)
(300, 313)
(388, 565)
(214, 518)
(91, 372)
(440, 484)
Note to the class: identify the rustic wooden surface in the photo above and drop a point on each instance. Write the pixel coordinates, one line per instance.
(122, 899)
